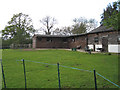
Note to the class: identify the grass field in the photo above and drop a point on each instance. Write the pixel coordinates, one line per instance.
(0, 70)
(45, 76)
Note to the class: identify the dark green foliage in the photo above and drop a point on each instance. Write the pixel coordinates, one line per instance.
(109, 53)
(111, 16)
(6, 43)
(79, 28)
(19, 29)
(79, 25)
(83, 25)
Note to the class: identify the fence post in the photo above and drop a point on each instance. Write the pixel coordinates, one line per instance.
(59, 76)
(95, 80)
(3, 75)
(24, 73)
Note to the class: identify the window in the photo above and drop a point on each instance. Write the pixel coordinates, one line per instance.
(40, 38)
(64, 40)
(96, 39)
(49, 40)
(118, 39)
(73, 39)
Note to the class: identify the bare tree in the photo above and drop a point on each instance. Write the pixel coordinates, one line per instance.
(63, 31)
(49, 23)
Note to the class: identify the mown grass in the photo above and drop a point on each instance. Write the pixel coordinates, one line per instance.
(0, 70)
(45, 76)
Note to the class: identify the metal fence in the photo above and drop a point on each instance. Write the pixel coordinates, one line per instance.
(59, 75)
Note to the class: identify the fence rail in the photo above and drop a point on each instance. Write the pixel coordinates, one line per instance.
(75, 69)
(94, 72)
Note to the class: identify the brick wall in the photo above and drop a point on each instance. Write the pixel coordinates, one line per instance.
(77, 41)
(50, 42)
(59, 42)
(74, 41)
(112, 37)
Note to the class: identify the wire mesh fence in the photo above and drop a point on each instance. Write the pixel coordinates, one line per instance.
(45, 75)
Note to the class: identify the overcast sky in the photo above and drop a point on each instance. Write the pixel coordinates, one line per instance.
(63, 10)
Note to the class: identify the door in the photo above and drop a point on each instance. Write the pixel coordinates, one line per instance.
(105, 44)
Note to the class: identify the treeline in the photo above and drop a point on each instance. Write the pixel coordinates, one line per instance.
(20, 28)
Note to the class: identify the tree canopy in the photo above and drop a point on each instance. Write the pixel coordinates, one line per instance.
(19, 29)
(83, 25)
(111, 15)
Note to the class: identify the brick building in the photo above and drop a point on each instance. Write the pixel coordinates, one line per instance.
(101, 38)
(105, 38)
(55, 41)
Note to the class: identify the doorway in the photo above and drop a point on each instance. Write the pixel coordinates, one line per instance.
(105, 44)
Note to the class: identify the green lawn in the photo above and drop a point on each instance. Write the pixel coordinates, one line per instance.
(45, 76)
(0, 70)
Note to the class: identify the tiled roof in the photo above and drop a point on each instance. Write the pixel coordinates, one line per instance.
(97, 30)
(38, 35)
(101, 29)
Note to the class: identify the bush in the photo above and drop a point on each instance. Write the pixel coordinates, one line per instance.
(91, 49)
(109, 53)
